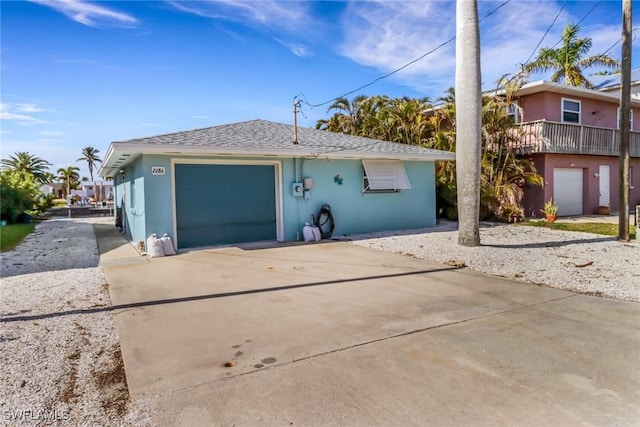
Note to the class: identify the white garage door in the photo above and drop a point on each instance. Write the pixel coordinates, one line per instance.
(567, 191)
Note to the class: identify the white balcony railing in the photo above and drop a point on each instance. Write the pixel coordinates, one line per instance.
(551, 137)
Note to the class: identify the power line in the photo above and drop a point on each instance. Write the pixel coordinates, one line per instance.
(619, 40)
(580, 21)
(549, 29)
(546, 32)
(441, 45)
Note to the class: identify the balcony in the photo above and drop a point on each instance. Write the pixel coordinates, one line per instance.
(551, 137)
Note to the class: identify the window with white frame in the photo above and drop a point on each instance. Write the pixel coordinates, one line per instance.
(570, 111)
(513, 111)
(630, 119)
(384, 176)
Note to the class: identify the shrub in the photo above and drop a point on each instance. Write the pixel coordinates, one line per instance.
(18, 193)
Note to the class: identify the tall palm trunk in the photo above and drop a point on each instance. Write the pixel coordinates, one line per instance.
(468, 122)
(95, 187)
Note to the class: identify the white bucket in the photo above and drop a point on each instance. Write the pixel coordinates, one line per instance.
(316, 233)
(307, 233)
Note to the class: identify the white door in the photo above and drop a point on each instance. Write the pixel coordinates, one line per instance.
(604, 186)
(567, 190)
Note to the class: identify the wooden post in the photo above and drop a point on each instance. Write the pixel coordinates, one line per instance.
(295, 121)
(625, 101)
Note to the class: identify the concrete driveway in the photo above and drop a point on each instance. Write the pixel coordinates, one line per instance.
(334, 334)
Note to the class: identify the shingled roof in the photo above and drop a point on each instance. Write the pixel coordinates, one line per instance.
(261, 137)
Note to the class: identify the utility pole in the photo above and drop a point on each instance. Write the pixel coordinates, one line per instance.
(468, 122)
(296, 104)
(625, 106)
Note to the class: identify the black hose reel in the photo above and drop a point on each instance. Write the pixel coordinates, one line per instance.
(325, 222)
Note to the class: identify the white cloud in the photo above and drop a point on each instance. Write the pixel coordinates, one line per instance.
(289, 15)
(28, 108)
(603, 37)
(16, 113)
(387, 35)
(50, 133)
(297, 49)
(201, 117)
(147, 124)
(90, 14)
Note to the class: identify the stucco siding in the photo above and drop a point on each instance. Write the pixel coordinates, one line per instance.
(355, 212)
(137, 211)
(590, 165)
(547, 106)
(535, 195)
(149, 206)
(129, 198)
(158, 212)
(539, 106)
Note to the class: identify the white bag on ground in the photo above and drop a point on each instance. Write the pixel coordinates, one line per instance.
(155, 246)
(316, 233)
(167, 245)
(307, 233)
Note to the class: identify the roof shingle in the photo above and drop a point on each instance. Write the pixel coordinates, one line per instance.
(265, 135)
(257, 138)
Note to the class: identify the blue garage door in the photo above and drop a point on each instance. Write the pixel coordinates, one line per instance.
(222, 204)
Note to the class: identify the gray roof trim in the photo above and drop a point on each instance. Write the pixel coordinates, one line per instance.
(264, 138)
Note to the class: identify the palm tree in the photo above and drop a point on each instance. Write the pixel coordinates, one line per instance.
(409, 120)
(26, 163)
(69, 176)
(348, 117)
(48, 178)
(90, 155)
(469, 126)
(568, 61)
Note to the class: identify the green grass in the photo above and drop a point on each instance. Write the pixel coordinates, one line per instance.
(11, 235)
(603, 228)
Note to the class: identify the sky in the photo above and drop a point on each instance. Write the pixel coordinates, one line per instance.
(85, 73)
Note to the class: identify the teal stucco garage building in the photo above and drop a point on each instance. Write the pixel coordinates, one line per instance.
(250, 181)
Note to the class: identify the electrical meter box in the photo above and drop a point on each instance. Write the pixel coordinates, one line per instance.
(297, 189)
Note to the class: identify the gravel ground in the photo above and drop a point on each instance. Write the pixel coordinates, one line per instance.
(60, 356)
(59, 351)
(580, 262)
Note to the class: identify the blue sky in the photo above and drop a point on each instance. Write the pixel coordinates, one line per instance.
(77, 73)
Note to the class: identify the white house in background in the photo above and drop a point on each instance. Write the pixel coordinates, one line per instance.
(102, 190)
(55, 188)
(46, 189)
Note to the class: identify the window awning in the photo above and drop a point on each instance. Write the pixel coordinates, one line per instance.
(386, 175)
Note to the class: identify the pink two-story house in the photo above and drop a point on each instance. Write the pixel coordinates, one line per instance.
(571, 133)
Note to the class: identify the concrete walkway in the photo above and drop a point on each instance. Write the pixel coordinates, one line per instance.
(114, 249)
(338, 334)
